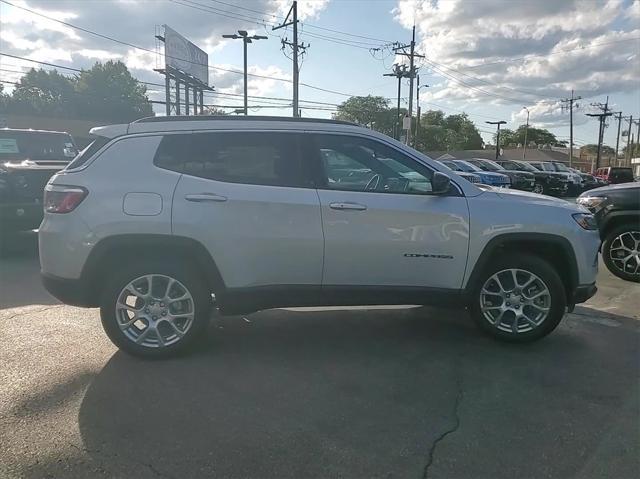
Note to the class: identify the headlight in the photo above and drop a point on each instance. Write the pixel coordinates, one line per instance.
(591, 202)
(586, 220)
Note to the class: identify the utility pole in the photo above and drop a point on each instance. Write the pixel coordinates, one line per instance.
(418, 110)
(293, 13)
(400, 72)
(501, 122)
(402, 50)
(526, 130)
(570, 102)
(627, 154)
(246, 39)
(618, 136)
(602, 118)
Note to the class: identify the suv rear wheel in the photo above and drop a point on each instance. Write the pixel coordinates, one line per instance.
(155, 309)
(519, 298)
(621, 252)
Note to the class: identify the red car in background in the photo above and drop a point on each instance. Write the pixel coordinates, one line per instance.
(614, 174)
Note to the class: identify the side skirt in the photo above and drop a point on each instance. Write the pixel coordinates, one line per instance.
(248, 300)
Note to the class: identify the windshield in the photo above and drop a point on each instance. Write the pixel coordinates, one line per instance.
(450, 164)
(467, 167)
(561, 167)
(491, 165)
(36, 146)
(545, 166)
(525, 166)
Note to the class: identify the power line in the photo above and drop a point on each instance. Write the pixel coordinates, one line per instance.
(158, 84)
(309, 25)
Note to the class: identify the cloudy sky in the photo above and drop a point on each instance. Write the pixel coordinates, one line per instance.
(489, 58)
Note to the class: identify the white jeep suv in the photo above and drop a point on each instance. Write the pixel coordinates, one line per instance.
(159, 221)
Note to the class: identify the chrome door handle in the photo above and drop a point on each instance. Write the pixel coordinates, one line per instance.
(205, 198)
(347, 206)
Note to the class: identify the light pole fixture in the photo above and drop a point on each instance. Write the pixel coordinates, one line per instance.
(526, 130)
(501, 122)
(246, 39)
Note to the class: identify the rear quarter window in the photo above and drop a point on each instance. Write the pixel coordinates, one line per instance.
(86, 154)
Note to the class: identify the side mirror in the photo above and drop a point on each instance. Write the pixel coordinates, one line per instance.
(440, 183)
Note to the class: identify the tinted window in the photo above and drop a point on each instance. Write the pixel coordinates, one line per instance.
(360, 164)
(622, 174)
(18, 145)
(88, 152)
(235, 157)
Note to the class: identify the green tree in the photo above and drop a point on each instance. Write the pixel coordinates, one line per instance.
(537, 136)
(44, 92)
(593, 149)
(371, 111)
(633, 148)
(106, 92)
(109, 92)
(454, 132)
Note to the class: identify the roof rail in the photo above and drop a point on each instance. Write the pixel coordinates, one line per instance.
(160, 119)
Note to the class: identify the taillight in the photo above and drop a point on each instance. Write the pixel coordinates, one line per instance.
(63, 199)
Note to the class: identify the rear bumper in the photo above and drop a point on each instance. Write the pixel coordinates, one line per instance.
(20, 216)
(583, 292)
(69, 291)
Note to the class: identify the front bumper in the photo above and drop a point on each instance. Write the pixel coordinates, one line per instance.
(523, 184)
(20, 216)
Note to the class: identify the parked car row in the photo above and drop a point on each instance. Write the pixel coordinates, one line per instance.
(28, 158)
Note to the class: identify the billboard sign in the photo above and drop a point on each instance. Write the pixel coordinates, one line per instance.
(183, 55)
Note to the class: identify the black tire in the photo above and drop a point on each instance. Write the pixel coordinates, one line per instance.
(606, 251)
(539, 189)
(184, 274)
(547, 274)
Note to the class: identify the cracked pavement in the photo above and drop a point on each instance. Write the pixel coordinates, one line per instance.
(387, 393)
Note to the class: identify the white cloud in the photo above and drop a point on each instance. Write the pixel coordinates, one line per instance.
(503, 52)
(307, 9)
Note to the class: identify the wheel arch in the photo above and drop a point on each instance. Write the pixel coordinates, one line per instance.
(129, 247)
(616, 219)
(553, 248)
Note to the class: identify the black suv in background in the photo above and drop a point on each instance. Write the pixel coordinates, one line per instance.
(617, 211)
(28, 158)
(520, 180)
(575, 180)
(546, 182)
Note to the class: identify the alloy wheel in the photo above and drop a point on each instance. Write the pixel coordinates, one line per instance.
(624, 252)
(515, 301)
(155, 311)
(538, 188)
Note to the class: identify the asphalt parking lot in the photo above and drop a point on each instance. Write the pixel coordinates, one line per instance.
(376, 393)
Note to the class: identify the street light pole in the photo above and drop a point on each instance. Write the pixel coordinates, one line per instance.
(501, 122)
(246, 39)
(526, 130)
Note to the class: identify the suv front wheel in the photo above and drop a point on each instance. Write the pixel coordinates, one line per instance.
(155, 309)
(518, 298)
(621, 252)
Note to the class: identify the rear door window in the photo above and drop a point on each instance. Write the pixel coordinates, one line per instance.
(257, 158)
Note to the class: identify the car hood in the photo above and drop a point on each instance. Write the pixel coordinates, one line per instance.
(603, 190)
(527, 197)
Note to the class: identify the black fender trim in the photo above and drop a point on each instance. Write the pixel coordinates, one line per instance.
(506, 239)
(137, 244)
(614, 215)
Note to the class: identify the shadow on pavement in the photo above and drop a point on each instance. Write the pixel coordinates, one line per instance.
(20, 283)
(364, 394)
